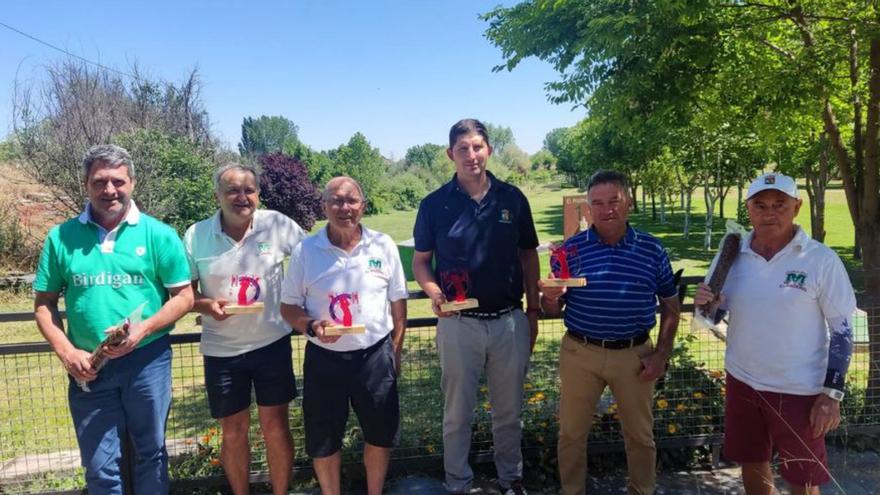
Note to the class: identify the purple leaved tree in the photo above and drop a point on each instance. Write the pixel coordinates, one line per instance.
(285, 187)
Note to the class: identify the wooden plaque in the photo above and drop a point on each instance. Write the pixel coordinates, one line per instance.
(342, 330)
(564, 282)
(459, 305)
(238, 309)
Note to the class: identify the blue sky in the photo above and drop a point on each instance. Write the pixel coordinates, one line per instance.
(400, 72)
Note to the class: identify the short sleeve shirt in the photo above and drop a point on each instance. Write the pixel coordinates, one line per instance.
(777, 337)
(105, 276)
(243, 272)
(623, 283)
(478, 242)
(355, 288)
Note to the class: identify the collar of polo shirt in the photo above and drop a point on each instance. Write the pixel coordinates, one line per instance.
(629, 237)
(800, 240)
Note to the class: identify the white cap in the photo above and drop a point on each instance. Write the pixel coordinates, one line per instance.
(776, 181)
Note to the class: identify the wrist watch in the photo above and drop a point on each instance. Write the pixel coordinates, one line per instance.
(310, 328)
(833, 393)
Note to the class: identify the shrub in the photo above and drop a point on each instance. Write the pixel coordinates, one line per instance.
(407, 190)
(285, 187)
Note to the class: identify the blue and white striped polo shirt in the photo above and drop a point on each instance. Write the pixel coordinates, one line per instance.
(623, 282)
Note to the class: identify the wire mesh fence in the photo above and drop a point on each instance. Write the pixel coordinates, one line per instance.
(38, 451)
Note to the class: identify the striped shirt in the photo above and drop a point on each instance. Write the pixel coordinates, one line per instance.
(623, 282)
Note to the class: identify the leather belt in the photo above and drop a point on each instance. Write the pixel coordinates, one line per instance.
(610, 344)
(487, 315)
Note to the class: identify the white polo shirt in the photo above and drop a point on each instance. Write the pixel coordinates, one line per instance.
(777, 338)
(327, 281)
(242, 272)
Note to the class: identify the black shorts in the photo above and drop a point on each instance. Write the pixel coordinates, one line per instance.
(270, 370)
(367, 379)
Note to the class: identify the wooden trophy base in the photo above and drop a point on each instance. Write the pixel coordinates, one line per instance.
(459, 305)
(341, 330)
(238, 309)
(564, 282)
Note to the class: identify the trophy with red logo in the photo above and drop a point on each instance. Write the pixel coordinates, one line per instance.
(561, 259)
(455, 284)
(341, 314)
(247, 296)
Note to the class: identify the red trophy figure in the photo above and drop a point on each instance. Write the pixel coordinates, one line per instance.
(340, 312)
(560, 259)
(455, 284)
(247, 296)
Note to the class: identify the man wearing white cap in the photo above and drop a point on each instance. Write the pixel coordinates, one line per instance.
(789, 343)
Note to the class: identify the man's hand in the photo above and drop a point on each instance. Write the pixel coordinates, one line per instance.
(136, 333)
(76, 362)
(653, 365)
(533, 329)
(825, 415)
(436, 300)
(216, 309)
(319, 332)
(704, 295)
(552, 293)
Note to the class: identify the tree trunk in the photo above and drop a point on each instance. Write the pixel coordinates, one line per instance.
(633, 195)
(710, 207)
(644, 195)
(687, 214)
(653, 206)
(662, 209)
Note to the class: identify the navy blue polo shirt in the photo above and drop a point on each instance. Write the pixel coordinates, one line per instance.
(482, 239)
(623, 282)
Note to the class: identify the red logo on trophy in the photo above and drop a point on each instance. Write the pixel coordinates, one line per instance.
(247, 295)
(561, 259)
(340, 312)
(455, 284)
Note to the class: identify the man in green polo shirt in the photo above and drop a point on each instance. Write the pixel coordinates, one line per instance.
(108, 261)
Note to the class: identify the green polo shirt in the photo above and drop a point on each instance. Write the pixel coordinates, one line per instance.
(105, 276)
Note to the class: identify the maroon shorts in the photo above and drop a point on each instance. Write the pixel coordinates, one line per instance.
(758, 423)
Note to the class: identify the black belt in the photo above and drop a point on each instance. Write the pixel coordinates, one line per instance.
(487, 315)
(610, 344)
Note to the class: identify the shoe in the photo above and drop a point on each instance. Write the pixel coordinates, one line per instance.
(516, 488)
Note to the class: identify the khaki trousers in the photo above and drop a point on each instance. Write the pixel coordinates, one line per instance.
(585, 370)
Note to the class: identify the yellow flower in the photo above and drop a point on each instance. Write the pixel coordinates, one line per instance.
(698, 395)
(716, 374)
(672, 428)
(430, 449)
(487, 406)
(528, 386)
(612, 407)
(680, 408)
(206, 438)
(538, 397)
(723, 390)
(483, 389)
(662, 404)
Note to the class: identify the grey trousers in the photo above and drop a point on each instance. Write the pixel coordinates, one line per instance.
(467, 347)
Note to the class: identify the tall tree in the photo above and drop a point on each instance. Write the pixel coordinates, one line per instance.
(266, 135)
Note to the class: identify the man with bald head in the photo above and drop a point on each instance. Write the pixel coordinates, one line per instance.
(348, 275)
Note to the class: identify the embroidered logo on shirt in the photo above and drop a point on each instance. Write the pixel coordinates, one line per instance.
(264, 248)
(374, 265)
(140, 250)
(795, 280)
(505, 216)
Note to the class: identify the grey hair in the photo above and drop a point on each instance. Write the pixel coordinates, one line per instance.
(325, 196)
(610, 177)
(112, 155)
(226, 167)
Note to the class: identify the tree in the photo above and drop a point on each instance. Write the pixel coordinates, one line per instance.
(267, 135)
(543, 159)
(77, 106)
(499, 137)
(553, 140)
(174, 177)
(285, 187)
(363, 163)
